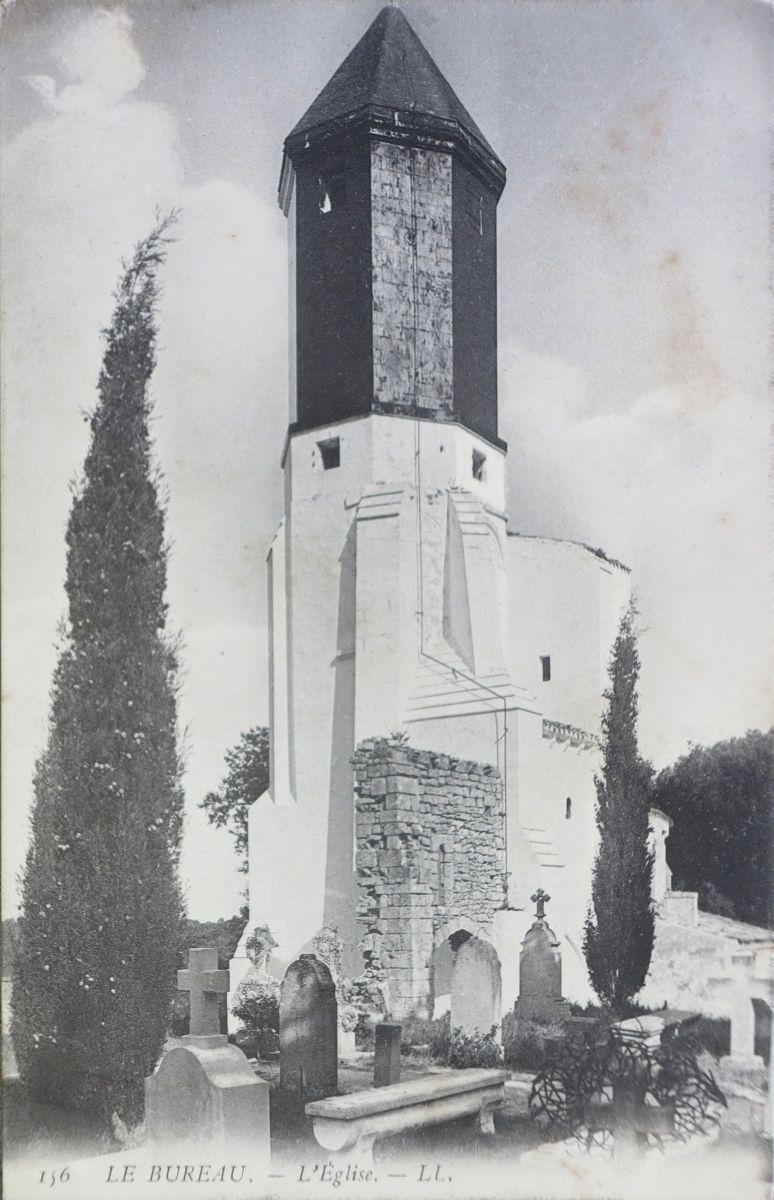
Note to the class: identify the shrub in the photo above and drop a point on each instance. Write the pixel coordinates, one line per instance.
(712, 1034)
(475, 1050)
(440, 1041)
(256, 1005)
(180, 1016)
(524, 1042)
(434, 1034)
(347, 998)
(223, 935)
(259, 945)
(361, 1005)
(588, 1010)
(329, 948)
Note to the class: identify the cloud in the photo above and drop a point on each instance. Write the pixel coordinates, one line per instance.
(101, 60)
(675, 485)
(81, 186)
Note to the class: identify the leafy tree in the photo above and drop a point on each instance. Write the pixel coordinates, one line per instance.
(10, 928)
(247, 778)
(721, 801)
(223, 934)
(618, 939)
(101, 903)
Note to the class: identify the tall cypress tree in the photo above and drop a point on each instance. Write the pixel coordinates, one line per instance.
(618, 938)
(101, 905)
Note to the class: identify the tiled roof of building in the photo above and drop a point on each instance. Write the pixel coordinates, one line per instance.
(389, 68)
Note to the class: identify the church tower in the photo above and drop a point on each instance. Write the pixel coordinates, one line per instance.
(391, 190)
(414, 800)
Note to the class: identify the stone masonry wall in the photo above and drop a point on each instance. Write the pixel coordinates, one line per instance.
(411, 231)
(430, 850)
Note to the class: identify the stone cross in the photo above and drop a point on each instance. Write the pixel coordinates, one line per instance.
(204, 983)
(737, 989)
(629, 1118)
(540, 898)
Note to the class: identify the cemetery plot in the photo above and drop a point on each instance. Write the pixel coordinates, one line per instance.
(611, 1090)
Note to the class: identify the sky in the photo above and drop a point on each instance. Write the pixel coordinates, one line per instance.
(633, 327)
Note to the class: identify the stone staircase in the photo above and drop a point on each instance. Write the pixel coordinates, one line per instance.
(447, 689)
(542, 846)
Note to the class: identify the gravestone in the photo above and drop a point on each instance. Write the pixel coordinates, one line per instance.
(738, 989)
(387, 1054)
(475, 988)
(203, 1093)
(540, 971)
(308, 1030)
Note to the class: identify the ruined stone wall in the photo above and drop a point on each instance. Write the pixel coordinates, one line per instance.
(430, 850)
(411, 231)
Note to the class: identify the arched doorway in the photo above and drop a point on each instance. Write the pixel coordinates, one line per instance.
(465, 978)
(442, 969)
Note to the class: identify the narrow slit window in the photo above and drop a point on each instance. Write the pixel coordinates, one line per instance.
(545, 666)
(475, 208)
(331, 190)
(568, 808)
(441, 889)
(479, 465)
(330, 453)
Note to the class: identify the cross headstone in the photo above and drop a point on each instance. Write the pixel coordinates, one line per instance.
(540, 971)
(308, 1030)
(629, 1118)
(737, 990)
(387, 1054)
(204, 1093)
(204, 984)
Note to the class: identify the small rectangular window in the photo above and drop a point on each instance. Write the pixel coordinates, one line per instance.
(479, 465)
(545, 664)
(330, 453)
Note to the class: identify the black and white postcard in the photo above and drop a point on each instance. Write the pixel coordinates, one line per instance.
(388, 756)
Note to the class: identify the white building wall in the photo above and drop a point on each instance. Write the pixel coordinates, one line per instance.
(360, 648)
(344, 645)
(564, 602)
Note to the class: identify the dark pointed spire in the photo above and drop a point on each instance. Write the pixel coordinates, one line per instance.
(390, 77)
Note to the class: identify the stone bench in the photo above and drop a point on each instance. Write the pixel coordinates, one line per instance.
(347, 1126)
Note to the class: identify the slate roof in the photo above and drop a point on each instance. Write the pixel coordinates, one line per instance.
(389, 68)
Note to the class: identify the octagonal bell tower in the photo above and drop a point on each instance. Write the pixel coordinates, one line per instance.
(392, 191)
